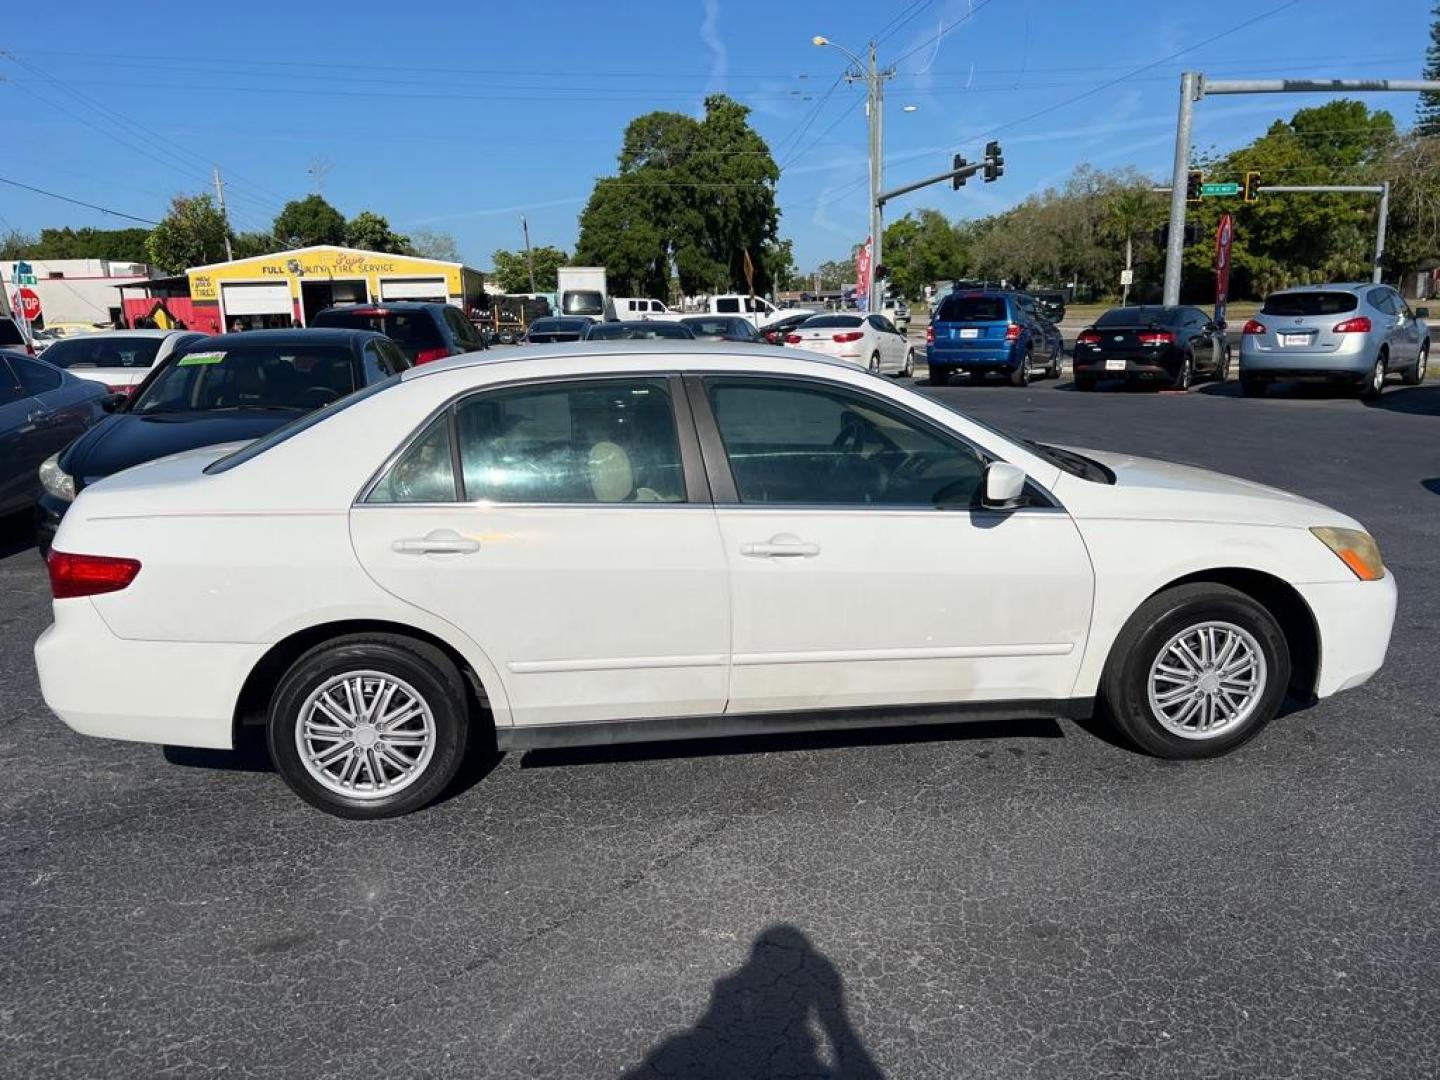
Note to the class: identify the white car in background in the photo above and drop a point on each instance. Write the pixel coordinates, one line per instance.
(871, 341)
(638, 308)
(118, 358)
(654, 540)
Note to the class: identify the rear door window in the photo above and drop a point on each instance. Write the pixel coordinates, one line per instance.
(728, 304)
(973, 309)
(464, 332)
(1302, 304)
(10, 389)
(37, 377)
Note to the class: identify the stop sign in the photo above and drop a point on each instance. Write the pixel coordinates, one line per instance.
(27, 304)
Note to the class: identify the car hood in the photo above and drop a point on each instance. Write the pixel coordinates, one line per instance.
(1152, 490)
(127, 439)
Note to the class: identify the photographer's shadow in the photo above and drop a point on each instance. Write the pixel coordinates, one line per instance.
(764, 1018)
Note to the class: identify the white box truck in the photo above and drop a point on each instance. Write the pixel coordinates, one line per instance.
(582, 292)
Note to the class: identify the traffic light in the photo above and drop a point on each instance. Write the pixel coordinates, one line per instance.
(1161, 235)
(994, 162)
(1252, 187)
(1193, 179)
(957, 182)
(882, 272)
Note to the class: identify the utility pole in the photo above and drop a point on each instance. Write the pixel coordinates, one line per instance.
(1380, 230)
(529, 259)
(1194, 86)
(225, 217)
(1129, 270)
(874, 116)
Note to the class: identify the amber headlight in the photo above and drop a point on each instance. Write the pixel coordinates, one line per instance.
(1355, 549)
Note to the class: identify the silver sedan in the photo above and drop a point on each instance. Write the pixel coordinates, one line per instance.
(1352, 333)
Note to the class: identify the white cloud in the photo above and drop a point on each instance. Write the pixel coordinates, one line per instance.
(719, 59)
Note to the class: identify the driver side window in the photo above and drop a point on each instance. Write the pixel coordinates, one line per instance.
(804, 444)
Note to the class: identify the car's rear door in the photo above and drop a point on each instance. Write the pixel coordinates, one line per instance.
(566, 527)
(864, 573)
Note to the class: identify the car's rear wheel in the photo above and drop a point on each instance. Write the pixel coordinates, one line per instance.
(1021, 375)
(1253, 387)
(1197, 671)
(1374, 384)
(1057, 361)
(1416, 375)
(369, 725)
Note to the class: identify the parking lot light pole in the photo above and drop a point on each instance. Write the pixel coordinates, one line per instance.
(874, 107)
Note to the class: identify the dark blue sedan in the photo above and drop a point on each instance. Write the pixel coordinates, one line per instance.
(230, 388)
(42, 409)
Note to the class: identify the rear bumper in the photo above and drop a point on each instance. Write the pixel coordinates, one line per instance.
(1136, 367)
(171, 692)
(1345, 363)
(1354, 620)
(975, 361)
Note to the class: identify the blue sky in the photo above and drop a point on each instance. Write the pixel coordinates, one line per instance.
(465, 115)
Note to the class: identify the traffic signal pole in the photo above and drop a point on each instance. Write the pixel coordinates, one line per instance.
(1194, 86)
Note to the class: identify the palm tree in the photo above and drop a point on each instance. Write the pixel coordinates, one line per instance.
(1130, 210)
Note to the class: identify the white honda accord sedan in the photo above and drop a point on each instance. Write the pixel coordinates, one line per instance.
(655, 540)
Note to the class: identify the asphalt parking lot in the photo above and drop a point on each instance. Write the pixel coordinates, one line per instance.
(1025, 900)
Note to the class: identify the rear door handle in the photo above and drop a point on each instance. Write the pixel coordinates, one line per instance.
(784, 546)
(440, 542)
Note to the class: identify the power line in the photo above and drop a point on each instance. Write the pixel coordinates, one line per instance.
(895, 25)
(77, 202)
(798, 155)
(938, 35)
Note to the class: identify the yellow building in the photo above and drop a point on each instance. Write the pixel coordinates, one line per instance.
(272, 290)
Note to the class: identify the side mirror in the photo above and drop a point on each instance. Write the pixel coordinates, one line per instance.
(1422, 313)
(1004, 486)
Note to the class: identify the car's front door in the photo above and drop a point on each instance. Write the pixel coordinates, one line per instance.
(863, 570)
(1408, 334)
(577, 547)
(18, 442)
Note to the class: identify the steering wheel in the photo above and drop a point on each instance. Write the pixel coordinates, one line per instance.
(856, 431)
(316, 397)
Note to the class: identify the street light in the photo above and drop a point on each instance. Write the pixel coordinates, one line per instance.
(874, 103)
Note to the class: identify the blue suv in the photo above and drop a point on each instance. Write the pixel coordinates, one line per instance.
(990, 331)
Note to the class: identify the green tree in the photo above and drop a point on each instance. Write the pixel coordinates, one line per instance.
(120, 245)
(921, 247)
(370, 231)
(690, 195)
(428, 244)
(309, 221)
(779, 258)
(15, 245)
(835, 274)
(247, 245)
(1412, 166)
(512, 272)
(191, 234)
(1427, 111)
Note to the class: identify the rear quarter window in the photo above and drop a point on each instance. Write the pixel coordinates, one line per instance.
(10, 333)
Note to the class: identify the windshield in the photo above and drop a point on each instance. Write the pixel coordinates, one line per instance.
(411, 330)
(820, 321)
(1299, 303)
(1135, 316)
(97, 351)
(279, 376)
(637, 331)
(560, 326)
(713, 327)
(973, 309)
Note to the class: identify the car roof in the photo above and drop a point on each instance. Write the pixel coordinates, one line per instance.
(672, 354)
(387, 305)
(134, 333)
(636, 324)
(313, 335)
(1333, 286)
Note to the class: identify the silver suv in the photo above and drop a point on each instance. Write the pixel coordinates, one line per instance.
(1353, 333)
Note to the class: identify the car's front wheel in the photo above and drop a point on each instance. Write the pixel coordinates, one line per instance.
(369, 725)
(908, 371)
(1197, 671)
(1416, 375)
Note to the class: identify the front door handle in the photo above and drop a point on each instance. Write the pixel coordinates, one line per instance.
(440, 542)
(783, 546)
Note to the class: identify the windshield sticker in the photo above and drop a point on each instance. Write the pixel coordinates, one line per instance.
(200, 359)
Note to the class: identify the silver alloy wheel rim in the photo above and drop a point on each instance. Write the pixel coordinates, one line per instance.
(1420, 366)
(875, 364)
(1377, 377)
(1207, 680)
(909, 363)
(365, 734)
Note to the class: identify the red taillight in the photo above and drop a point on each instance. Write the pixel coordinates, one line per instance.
(848, 336)
(929, 335)
(1087, 337)
(1253, 327)
(127, 388)
(1157, 337)
(1012, 332)
(88, 575)
(370, 312)
(792, 339)
(425, 356)
(1358, 325)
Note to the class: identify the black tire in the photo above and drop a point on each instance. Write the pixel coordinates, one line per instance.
(1414, 376)
(940, 376)
(874, 364)
(908, 371)
(1185, 375)
(1085, 383)
(1222, 374)
(1057, 362)
(1253, 387)
(1021, 375)
(1374, 383)
(422, 667)
(1124, 687)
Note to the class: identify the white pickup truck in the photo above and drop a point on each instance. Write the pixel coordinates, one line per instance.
(644, 307)
(754, 309)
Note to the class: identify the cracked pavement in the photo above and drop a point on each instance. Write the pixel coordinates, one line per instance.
(983, 900)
